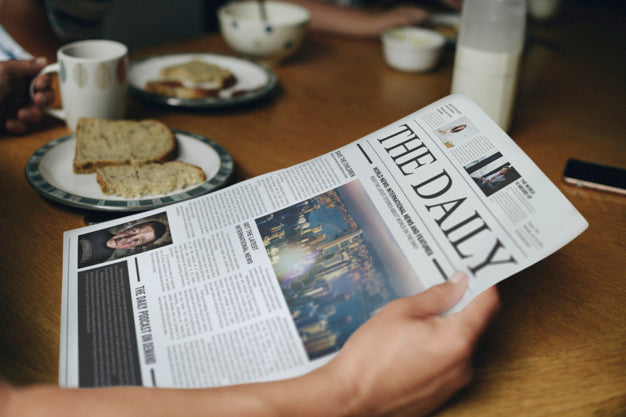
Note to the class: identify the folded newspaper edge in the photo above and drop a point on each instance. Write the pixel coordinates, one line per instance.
(267, 278)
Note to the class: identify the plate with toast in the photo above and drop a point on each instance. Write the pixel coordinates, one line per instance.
(127, 166)
(200, 80)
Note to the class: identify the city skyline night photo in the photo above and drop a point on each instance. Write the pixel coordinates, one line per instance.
(336, 264)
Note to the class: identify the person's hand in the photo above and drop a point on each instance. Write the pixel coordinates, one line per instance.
(17, 111)
(360, 22)
(454, 4)
(5, 391)
(398, 16)
(409, 359)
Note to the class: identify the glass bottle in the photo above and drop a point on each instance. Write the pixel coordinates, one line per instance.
(488, 55)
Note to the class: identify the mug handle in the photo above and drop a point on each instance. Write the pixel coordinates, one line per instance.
(58, 113)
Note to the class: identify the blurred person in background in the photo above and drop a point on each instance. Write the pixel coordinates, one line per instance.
(36, 28)
(24, 35)
(367, 19)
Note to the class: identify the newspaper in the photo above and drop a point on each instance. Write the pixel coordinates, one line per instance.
(267, 278)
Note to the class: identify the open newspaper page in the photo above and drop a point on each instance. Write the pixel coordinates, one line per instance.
(267, 279)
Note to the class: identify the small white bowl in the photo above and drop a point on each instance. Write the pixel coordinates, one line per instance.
(412, 49)
(247, 33)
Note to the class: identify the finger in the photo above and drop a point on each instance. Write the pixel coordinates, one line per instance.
(43, 98)
(419, 16)
(29, 115)
(42, 82)
(477, 315)
(16, 127)
(414, 15)
(439, 298)
(24, 68)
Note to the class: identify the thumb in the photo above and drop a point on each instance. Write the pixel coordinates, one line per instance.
(439, 298)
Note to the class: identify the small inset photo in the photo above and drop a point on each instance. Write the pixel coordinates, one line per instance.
(455, 133)
(492, 173)
(123, 240)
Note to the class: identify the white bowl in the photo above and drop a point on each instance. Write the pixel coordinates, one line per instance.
(247, 33)
(412, 49)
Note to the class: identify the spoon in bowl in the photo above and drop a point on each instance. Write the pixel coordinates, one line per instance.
(263, 10)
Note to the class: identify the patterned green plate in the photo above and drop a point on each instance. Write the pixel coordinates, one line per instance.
(49, 171)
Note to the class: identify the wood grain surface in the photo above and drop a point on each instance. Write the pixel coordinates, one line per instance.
(558, 346)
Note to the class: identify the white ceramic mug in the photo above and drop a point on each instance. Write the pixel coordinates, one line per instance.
(92, 79)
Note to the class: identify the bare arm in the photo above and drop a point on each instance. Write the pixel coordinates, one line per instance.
(331, 18)
(27, 23)
(406, 359)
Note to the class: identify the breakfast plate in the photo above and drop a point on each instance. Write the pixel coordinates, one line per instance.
(253, 81)
(49, 171)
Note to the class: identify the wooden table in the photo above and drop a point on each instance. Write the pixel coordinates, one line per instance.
(558, 346)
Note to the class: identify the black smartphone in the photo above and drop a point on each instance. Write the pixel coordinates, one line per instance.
(597, 176)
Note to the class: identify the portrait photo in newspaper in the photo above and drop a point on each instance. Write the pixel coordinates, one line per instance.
(456, 133)
(123, 240)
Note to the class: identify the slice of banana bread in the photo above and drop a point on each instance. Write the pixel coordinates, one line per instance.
(102, 142)
(197, 71)
(132, 181)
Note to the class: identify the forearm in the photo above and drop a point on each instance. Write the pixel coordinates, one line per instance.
(407, 358)
(362, 23)
(27, 23)
(330, 18)
(313, 395)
